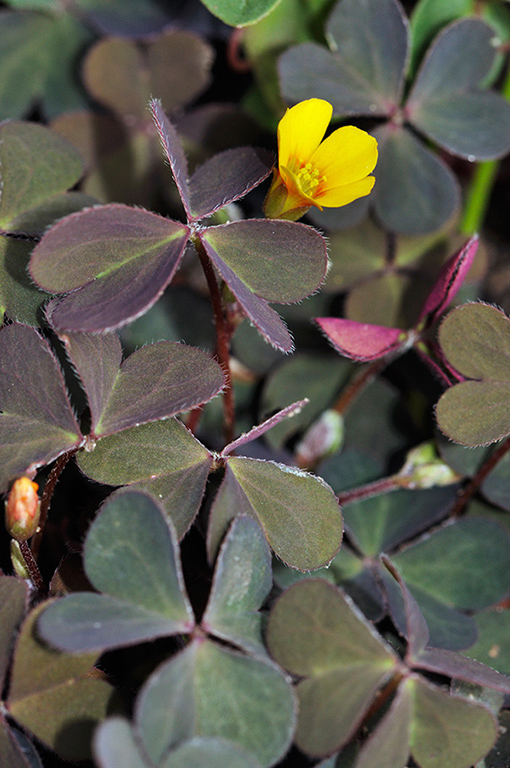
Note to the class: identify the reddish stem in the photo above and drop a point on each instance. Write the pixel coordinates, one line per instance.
(359, 382)
(222, 339)
(476, 481)
(385, 485)
(32, 567)
(46, 497)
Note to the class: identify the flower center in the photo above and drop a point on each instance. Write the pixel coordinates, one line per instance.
(309, 179)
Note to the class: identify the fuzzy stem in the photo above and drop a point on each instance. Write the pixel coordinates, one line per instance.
(358, 383)
(46, 497)
(32, 567)
(385, 485)
(481, 186)
(476, 481)
(222, 339)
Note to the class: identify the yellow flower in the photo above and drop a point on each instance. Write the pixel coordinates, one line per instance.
(328, 174)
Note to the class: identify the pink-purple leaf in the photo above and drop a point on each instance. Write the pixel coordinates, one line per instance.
(361, 341)
(173, 150)
(157, 382)
(226, 177)
(37, 423)
(450, 279)
(120, 258)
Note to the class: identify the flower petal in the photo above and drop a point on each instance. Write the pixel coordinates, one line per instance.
(334, 198)
(301, 129)
(348, 155)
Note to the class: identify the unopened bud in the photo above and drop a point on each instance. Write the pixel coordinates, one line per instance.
(423, 468)
(323, 438)
(22, 509)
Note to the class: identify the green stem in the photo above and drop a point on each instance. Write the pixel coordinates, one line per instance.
(481, 186)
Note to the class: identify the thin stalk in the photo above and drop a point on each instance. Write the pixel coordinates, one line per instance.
(476, 481)
(482, 184)
(358, 383)
(32, 567)
(222, 340)
(46, 497)
(385, 485)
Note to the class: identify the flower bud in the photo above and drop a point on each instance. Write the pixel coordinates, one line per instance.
(22, 509)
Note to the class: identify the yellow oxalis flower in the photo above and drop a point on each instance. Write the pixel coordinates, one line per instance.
(328, 174)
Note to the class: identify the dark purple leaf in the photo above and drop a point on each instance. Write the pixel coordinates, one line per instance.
(450, 279)
(361, 341)
(415, 192)
(120, 258)
(37, 423)
(280, 261)
(265, 319)
(460, 667)
(226, 177)
(97, 358)
(173, 150)
(158, 381)
(446, 102)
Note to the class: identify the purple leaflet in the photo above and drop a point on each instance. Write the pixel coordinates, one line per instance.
(226, 177)
(264, 318)
(173, 150)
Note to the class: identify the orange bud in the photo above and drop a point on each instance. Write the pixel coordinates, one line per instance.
(22, 509)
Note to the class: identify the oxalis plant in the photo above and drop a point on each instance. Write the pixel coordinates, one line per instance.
(237, 537)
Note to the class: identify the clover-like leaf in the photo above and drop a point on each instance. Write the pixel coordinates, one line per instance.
(279, 261)
(122, 74)
(436, 712)
(362, 74)
(13, 599)
(36, 165)
(446, 102)
(298, 512)
(242, 581)
(428, 567)
(416, 723)
(476, 341)
(240, 15)
(40, 50)
(315, 632)
(44, 680)
(416, 192)
(116, 746)
(182, 697)
(131, 555)
(37, 423)
(162, 458)
(226, 177)
(121, 259)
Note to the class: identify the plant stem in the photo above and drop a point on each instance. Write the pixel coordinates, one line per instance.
(222, 340)
(385, 485)
(46, 497)
(33, 568)
(481, 185)
(361, 379)
(476, 481)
